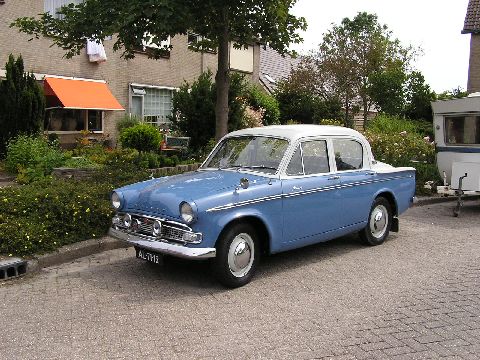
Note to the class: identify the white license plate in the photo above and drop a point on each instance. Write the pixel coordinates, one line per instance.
(148, 256)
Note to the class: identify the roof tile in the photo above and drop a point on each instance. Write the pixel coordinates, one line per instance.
(472, 19)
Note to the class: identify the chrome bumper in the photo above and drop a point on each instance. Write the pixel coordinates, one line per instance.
(163, 247)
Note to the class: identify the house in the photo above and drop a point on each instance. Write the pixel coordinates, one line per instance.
(88, 93)
(472, 27)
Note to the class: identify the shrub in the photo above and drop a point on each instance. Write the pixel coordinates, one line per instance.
(81, 163)
(141, 137)
(126, 122)
(391, 125)
(32, 157)
(261, 101)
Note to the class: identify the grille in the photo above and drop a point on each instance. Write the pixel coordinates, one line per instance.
(169, 232)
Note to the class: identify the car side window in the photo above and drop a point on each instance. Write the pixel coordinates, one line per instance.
(295, 167)
(348, 154)
(315, 157)
(309, 158)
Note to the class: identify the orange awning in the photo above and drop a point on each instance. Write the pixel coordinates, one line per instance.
(81, 94)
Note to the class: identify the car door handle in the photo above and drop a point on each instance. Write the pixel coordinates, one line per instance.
(336, 177)
(297, 188)
(371, 173)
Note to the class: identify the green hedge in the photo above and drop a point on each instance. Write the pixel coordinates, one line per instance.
(45, 215)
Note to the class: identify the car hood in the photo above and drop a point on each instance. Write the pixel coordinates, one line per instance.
(163, 196)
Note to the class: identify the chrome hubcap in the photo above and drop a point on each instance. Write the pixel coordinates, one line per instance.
(379, 221)
(241, 255)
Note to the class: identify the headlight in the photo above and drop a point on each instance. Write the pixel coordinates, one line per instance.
(116, 201)
(186, 212)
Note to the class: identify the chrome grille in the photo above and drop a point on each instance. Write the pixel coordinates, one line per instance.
(172, 233)
(144, 226)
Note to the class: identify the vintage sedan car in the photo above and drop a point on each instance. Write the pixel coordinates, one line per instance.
(262, 191)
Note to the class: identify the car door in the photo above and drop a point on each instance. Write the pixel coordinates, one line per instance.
(356, 179)
(311, 205)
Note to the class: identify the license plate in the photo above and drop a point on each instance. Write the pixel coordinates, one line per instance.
(148, 256)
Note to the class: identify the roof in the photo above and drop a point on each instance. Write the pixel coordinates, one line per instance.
(274, 67)
(472, 19)
(81, 94)
(295, 132)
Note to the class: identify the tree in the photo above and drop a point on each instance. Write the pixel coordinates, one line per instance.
(301, 96)
(194, 108)
(387, 90)
(355, 53)
(456, 93)
(22, 103)
(418, 98)
(218, 21)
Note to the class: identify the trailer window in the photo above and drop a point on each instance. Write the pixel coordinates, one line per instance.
(462, 129)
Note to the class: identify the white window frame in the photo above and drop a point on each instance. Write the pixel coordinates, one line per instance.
(133, 86)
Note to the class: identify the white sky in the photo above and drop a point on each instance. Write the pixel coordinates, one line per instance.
(433, 25)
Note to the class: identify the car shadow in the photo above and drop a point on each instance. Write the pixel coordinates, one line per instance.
(136, 278)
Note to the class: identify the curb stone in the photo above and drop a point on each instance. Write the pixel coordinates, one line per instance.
(429, 200)
(74, 251)
(93, 246)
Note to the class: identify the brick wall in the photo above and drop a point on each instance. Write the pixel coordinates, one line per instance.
(39, 57)
(474, 68)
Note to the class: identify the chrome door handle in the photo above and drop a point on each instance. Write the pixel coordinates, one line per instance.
(371, 173)
(297, 188)
(336, 177)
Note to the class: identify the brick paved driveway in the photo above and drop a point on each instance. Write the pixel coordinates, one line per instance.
(416, 296)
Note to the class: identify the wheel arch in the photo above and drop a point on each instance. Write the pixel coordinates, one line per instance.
(390, 198)
(260, 226)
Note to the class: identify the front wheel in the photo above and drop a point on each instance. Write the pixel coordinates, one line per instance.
(237, 256)
(379, 222)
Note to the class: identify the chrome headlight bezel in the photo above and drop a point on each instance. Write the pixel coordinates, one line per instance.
(117, 200)
(188, 212)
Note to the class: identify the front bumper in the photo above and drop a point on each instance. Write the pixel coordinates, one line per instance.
(163, 247)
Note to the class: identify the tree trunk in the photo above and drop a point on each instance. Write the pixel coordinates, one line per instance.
(222, 79)
(365, 113)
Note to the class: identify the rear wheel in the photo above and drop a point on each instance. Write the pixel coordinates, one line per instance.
(379, 222)
(237, 255)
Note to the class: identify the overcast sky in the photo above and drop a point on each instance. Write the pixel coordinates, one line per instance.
(433, 25)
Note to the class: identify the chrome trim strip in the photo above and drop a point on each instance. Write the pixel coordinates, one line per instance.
(162, 247)
(306, 192)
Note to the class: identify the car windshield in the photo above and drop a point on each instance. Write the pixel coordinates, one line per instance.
(255, 153)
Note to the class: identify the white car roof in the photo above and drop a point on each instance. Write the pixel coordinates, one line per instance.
(295, 132)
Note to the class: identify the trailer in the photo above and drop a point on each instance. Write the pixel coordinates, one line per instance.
(457, 140)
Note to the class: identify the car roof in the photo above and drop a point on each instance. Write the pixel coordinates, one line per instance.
(295, 132)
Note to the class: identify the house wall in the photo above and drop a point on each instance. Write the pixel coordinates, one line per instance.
(40, 57)
(474, 68)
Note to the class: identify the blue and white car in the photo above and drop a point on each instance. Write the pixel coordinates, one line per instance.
(263, 191)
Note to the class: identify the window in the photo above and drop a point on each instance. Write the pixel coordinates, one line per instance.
(153, 105)
(462, 129)
(348, 154)
(310, 158)
(53, 6)
(73, 120)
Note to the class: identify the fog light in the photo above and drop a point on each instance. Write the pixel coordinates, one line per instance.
(127, 220)
(157, 228)
(191, 237)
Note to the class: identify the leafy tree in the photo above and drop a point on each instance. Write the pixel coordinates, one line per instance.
(241, 21)
(301, 97)
(194, 108)
(22, 103)
(418, 98)
(387, 90)
(353, 54)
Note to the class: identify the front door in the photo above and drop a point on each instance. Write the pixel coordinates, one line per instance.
(311, 203)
